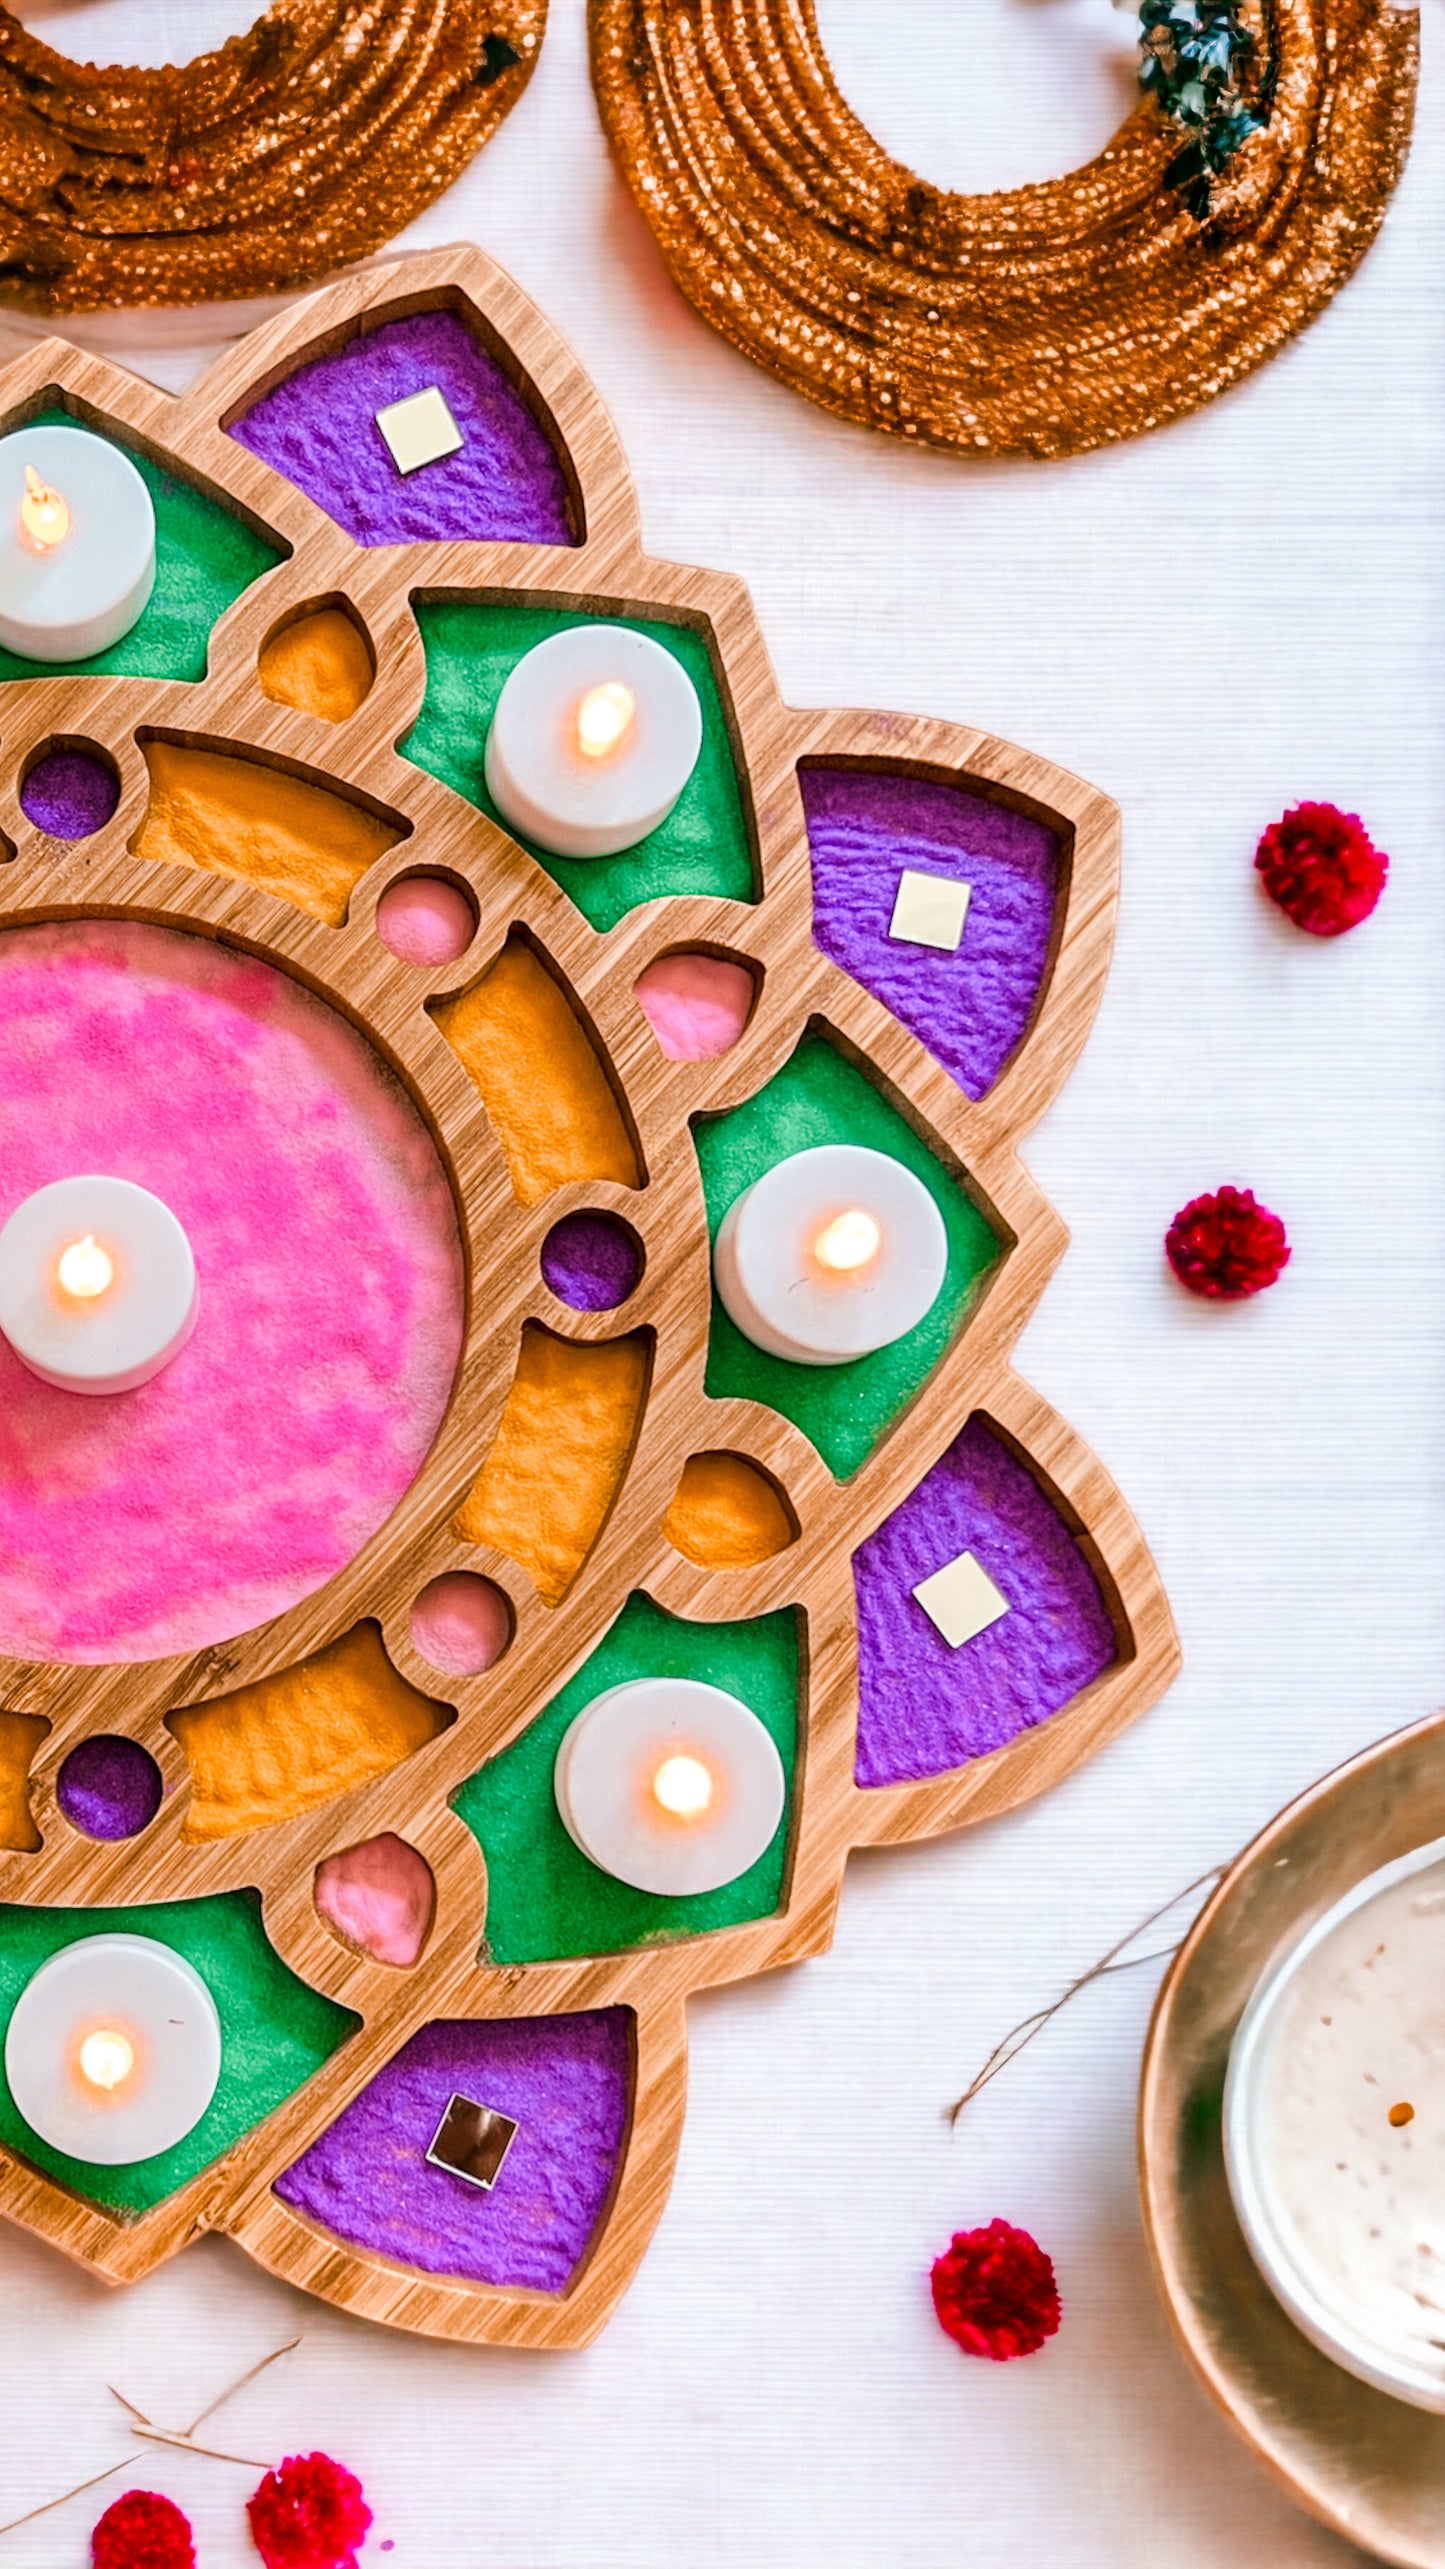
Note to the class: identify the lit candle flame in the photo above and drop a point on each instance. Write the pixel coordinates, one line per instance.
(85, 1270)
(604, 718)
(107, 2059)
(44, 515)
(683, 1787)
(848, 1242)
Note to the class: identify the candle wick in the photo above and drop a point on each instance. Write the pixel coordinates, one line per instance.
(850, 1242)
(85, 1269)
(50, 2504)
(44, 514)
(605, 717)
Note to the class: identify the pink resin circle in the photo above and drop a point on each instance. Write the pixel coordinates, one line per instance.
(461, 1623)
(331, 1293)
(380, 1897)
(425, 920)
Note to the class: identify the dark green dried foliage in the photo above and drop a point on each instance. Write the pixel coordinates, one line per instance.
(1199, 65)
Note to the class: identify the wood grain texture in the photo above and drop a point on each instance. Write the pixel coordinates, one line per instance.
(348, 967)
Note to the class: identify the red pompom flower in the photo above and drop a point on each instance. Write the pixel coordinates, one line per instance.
(309, 2514)
(142, 2531)
(1322, 867)
(994, 2292)
(1226, 1245)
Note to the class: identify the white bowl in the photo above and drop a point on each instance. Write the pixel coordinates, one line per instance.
(1421, 2384)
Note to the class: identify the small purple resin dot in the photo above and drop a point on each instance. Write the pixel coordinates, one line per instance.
(109, 1787)
(591, 1262)
(70, 793)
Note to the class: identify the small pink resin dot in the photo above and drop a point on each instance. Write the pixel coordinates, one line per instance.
(461, 1623)
(425, 920)
(380, 1897)
(696, 1004)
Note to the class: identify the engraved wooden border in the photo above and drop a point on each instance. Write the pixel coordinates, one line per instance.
(44, 879)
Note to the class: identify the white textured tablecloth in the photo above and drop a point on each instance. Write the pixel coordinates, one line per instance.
(1210, 623)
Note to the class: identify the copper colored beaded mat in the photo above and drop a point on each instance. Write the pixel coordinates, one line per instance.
(285, 154)
(1041, 321)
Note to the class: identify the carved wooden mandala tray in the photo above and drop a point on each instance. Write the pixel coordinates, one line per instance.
(315, 2162)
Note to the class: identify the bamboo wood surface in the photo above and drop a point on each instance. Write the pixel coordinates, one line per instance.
(46, 880)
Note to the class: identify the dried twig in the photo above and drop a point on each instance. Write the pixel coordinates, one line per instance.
(181, 2438)
(1118, 1958)
(264, 2366)
(64, 2500)
(187, 2444)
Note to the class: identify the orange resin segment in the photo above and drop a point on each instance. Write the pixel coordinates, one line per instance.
(20, 1737)
(230, 815)
(292, 1742)
(566, 1436)
(541, 1078)
(320, 664)
(727, 1514)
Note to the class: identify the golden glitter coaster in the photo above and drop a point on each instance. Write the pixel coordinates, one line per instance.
(1037, 321)
(350, 1830)
(284, 155)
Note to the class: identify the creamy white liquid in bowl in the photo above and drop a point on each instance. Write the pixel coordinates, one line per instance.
(1334, 2129)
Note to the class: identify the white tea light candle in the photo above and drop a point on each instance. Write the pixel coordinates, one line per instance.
(113, 2050)
(831, 1255)
(77, 544)
(97, 1284)
(1334, 2125)
(671, 1785)
(596, 733)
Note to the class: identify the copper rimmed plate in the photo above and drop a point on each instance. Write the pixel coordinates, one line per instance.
(1366, 2464)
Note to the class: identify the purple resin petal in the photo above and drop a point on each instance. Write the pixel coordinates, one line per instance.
(970, 1008)
(71, 793)
(924, 1707)
(109, 1787)
(504, 484)
(591, 1262)
(565, 2080)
